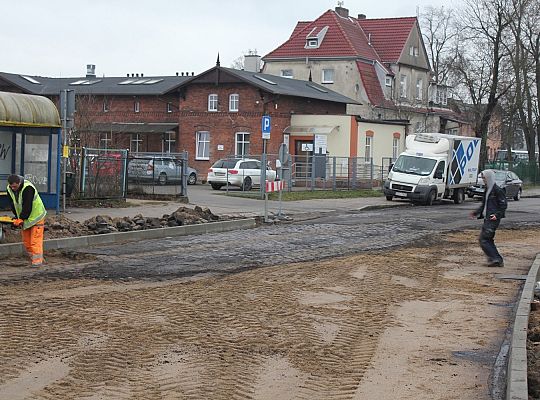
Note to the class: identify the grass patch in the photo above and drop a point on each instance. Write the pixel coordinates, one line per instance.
(312, 195)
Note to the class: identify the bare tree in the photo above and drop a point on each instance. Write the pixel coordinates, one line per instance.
(238, 62)
(524, 26)
(439, 32)
(479, 65)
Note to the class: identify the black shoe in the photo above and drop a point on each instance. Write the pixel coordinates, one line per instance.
(496, 264)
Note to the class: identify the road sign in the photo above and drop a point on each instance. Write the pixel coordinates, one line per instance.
(265, 125)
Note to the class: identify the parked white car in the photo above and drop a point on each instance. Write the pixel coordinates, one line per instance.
(242, 172)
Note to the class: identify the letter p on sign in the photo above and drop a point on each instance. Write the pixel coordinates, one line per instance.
(266, 127)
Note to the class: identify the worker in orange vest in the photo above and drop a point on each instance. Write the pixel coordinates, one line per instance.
(30, 212)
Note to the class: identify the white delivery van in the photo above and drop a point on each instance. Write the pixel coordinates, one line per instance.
(434, 166)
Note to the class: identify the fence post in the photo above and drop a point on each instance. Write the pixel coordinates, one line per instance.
(354, 172)
(334, 172)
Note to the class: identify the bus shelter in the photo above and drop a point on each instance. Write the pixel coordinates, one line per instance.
(30, 140)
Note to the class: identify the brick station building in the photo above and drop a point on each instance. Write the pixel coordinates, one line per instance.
(212, 115)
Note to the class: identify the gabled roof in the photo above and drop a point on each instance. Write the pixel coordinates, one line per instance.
(344, 38)
(270, 83)
(388, 35)
(129, 86)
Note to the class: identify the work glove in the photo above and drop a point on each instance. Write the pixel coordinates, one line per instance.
(17, 222)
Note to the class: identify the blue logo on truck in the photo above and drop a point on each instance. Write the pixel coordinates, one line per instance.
(460, 158)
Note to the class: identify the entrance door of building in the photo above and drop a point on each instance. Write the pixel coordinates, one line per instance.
(303, 153)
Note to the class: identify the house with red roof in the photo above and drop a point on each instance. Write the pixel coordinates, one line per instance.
(380, 63)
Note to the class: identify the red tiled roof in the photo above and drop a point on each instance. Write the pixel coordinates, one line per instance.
(388, 35)
(372, 85)
(344, 38)
(299, 26)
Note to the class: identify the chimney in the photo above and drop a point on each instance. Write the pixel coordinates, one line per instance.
(90, 71)
(193, 74)
(252, 63)
(177, 74)
(142, 75)
(136, 75)
(361, 16)
(128, 75)
(342, 12)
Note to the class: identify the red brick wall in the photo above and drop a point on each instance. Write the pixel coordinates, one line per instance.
(223, 125)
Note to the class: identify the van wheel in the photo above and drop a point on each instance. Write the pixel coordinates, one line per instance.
(459, 196)
(192, 179)
(162, 179)
(389, 197)
(517, 197)
(432, 195)
(247, 184)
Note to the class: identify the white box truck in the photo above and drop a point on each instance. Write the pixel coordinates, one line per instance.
(434, 166)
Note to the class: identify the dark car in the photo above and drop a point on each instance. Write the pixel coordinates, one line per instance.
(506, 180)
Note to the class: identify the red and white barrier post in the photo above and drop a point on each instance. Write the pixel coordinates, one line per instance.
(276, 186)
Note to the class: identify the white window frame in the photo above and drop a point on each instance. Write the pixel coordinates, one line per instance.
(325, 78)
(234, 101)
(287, 73)
(135, 143)
(395, 148)
(419, 89)
(106, 105)
(388, 81)
(202, 145)
(312, 43)
(213, 102)
(242, 143)
(403, 86)
(137, 106)
(368, 149)
(169, 107)
(105, 140)
(168, 142)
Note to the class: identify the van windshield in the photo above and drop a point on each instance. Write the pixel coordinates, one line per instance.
(414, 165)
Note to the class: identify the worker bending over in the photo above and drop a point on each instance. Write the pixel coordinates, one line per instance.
(30, 212)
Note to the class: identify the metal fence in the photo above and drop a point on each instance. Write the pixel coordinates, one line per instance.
(529, 172)
(103, 174)
(115, 174)
(157, 174)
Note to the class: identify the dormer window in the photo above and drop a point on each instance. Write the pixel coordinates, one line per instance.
(388, 81)
(315, 37)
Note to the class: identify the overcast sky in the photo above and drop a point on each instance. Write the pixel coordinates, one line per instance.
(57, 38)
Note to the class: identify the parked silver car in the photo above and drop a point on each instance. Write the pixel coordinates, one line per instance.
(159, 169)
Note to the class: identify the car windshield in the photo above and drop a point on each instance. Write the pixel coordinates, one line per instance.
(224, 163)
(500, 176)
(414, 165)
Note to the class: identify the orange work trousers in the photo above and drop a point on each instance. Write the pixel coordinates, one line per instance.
(33, 242)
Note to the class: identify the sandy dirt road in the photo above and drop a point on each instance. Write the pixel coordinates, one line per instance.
(418, 322)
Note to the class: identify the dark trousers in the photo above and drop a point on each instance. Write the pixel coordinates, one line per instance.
(486, 240)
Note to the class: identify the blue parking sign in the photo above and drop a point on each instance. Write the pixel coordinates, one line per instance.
(265, 125)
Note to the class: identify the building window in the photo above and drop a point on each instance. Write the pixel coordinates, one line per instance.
(369, 148)
(327, 76)
(169, 107)
(388, 81)
(168, 143)
(413, 51)
(202, 145)
(233, 102)
(137, 106)
(395, 148)
(403, 86)
(105, 140)
(419, 89)
(441, 95)
(135, 143)
(242, 144)
(106, 105)
(213, 102)
(287, 73)
(312, 43)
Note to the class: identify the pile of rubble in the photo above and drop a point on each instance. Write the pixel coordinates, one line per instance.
(58, 226)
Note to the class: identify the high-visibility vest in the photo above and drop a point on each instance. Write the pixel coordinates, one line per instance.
(38, 209)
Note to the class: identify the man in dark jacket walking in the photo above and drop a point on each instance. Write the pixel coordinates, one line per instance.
(492, 210)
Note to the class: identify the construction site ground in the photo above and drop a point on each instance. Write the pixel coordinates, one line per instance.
(421, 321)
